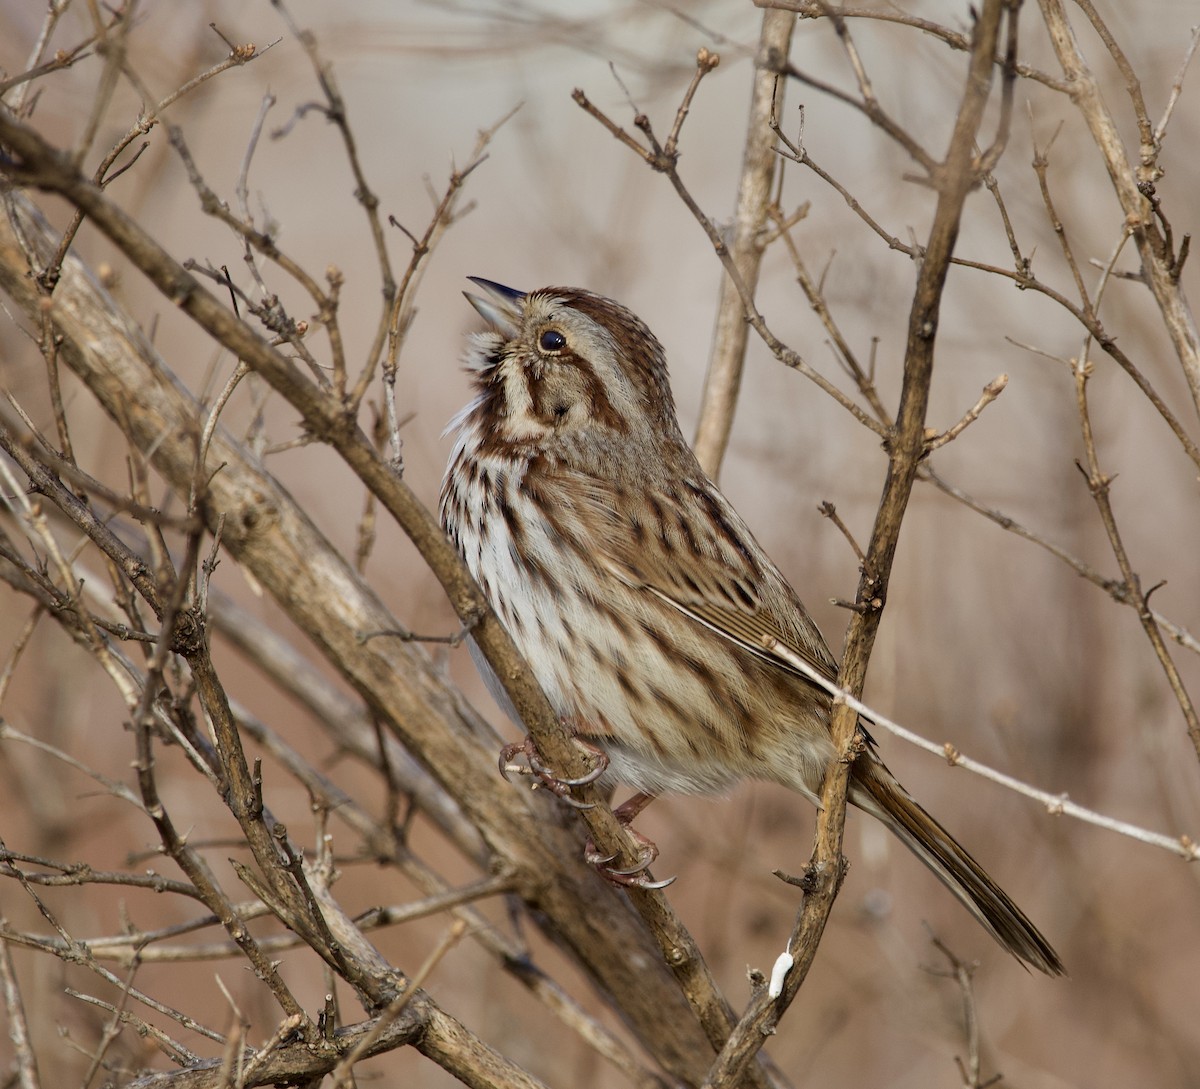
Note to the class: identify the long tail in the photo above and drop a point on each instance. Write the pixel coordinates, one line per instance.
(875, 790)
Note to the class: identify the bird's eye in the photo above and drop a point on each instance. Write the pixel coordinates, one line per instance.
(552, 341)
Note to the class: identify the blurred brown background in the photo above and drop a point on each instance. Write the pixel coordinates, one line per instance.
(988, 641)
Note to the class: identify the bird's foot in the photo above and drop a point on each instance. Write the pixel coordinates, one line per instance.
(635, 876)
(511, 757)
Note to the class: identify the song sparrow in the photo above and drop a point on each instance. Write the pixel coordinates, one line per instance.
(639, 597)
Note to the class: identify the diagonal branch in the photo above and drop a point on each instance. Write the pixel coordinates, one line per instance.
(267, 533)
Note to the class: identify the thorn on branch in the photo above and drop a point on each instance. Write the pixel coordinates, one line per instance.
(1176, 269)
(121, 170)
(1157, 586)
(1099, 483)
(418, 248)
(806, 882)
(237, 313)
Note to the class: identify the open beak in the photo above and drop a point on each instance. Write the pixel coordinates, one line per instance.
(501, 308)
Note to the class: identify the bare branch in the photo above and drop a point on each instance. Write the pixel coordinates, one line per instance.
(1160, 130)
(1056, 805)
(820, 9)
(1159, 262)
(990, 392)
(746, 246)
(336, 113)
(18, 1026)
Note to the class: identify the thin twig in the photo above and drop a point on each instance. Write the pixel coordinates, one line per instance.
(400, 314)
(874, 112)
(1094, 327)
(172, 1049)
(339, 116)
(1056, 805)
(451, 938)
(828, 510)
(1160, 263)
(990, 392)
(782, 352)
(820, 9)
(961, 972)
(112, 1027)
(798, 154)
(71, 953)
(1160, 130)
(1099, 484)
(104, 174)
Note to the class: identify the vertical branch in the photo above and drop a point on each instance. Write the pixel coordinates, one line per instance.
(25, 1061)
(746, 246)
(954, 178)
(110, 44)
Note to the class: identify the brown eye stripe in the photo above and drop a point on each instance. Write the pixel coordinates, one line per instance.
(568, 378)
(634, 341)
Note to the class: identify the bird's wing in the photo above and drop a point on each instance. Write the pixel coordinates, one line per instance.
(690, 549)
(756, 632)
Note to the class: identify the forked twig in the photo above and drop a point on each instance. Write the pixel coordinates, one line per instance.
(657, 160)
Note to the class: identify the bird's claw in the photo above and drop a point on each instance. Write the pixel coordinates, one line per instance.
(594, 858)
(646, 883)
(633, 877)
